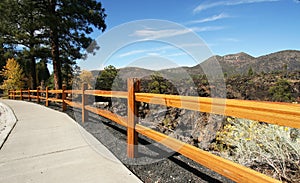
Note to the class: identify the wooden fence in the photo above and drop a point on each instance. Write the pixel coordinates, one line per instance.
(284, 114)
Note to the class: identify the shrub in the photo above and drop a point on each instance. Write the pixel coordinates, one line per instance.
(270, 149)
(282, 91)
(158, 84)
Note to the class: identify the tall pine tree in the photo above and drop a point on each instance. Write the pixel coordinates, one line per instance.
(23, 30)
(60, 28)
(6, 28)
(70, 22)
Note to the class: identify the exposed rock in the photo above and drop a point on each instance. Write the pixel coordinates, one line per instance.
(192, 127)
(208, 132)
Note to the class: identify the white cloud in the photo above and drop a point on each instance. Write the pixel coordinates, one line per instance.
(206, 29)
(153, 54)
(205, 6)
(209, 19)
(156, 34)
(134, 52)
(150, 51)
(162, 50)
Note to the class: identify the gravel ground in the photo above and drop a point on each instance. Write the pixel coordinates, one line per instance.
(155, 163)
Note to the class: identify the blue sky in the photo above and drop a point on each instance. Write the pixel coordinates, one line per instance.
(257, 27)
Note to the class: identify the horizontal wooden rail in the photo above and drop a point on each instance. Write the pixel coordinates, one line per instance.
(55, 100)
(32, 96)
(284, 114)
(42, 98)
(73, 91)
(54, 91)
(224, 167)
(107, 114)
(117, 94)
(73, 104)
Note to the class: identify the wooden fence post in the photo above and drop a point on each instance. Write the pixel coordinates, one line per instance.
(133, 85)
(29, 98)
(47, 96)
(38, 94)
(14, 94)
(21, 94)
(84, 102)
(63, 97)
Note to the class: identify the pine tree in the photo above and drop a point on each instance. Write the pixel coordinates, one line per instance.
(250, 72)
(42, 72)
(22, 29)
(13, 74)
(6, 50)
(69, 23)
(109, 79)
(51, 28)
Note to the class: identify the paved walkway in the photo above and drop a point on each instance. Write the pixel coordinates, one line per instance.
(48, 146)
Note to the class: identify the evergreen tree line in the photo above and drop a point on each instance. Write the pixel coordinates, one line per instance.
(37, 32)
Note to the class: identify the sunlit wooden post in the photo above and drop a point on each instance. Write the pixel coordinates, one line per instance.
(133, 85)
(64, 96)
(47, 96)
(84, 102)
(29, 98)
(38, 94)
(21, 94)
(14, 94)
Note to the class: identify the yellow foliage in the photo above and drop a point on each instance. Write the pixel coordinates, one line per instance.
(87, 77)
(13, 74)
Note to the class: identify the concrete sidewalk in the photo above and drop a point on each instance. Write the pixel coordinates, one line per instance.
(48, 146)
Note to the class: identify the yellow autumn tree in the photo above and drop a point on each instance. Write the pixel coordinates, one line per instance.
(87, 77)
(13, 75)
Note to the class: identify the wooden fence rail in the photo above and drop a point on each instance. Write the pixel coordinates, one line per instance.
(284, 114)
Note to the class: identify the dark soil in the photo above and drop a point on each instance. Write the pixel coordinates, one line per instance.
(155, 163)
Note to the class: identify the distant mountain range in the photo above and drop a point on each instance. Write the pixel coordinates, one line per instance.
(238, 63)
(241, 62)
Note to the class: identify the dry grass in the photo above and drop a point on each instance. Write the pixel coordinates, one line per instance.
(270, 149)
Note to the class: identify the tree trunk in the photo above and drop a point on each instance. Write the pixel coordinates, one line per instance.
(33, 84)
(55, 49)
(56, 61)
